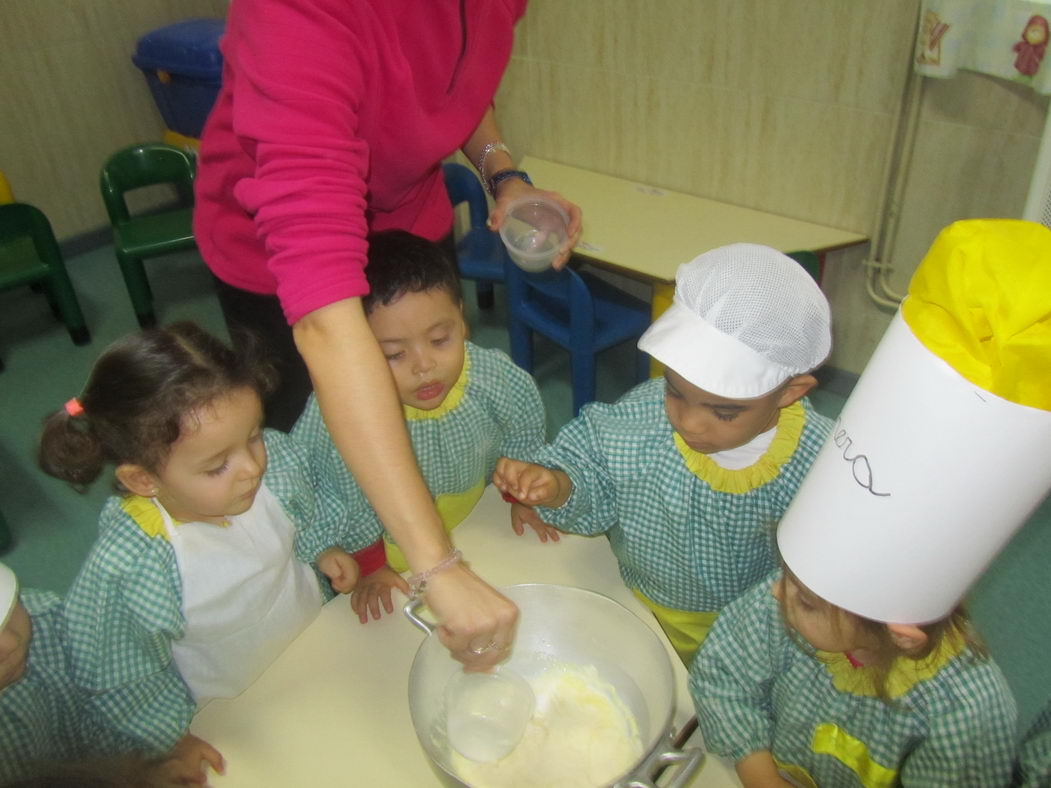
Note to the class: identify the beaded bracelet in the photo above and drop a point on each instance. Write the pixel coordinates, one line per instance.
(483, 157)
(502, 176)
(418, 583)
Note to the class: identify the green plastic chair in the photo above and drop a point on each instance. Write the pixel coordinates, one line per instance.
(29, 255)
(136, 238)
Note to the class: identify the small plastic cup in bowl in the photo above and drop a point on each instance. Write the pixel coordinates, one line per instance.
(534, 230)
(487, 713)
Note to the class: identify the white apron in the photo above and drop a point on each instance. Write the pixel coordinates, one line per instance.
(245, 597)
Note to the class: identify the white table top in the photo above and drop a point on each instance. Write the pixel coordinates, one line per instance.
(333, 709)
(647, 232)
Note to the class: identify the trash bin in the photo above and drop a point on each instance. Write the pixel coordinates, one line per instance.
(183, 67)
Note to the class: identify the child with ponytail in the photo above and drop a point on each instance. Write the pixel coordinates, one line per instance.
(193, 586)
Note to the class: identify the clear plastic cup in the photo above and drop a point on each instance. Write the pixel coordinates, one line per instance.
(534, 230)
(487, 713)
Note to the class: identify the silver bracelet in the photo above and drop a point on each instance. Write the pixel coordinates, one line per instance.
(418, 583)
(485, 155)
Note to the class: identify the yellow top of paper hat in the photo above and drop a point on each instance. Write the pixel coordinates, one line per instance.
(981, 301)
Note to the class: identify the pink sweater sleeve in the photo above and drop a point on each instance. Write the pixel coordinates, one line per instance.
(299, 85)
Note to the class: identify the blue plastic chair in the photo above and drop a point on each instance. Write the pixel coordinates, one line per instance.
(480, 253)
(581, 313)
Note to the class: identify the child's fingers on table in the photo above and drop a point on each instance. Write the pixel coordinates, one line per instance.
(388, 602)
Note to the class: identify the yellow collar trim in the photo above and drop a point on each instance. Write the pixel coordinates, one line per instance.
(451, 401)
(905, 674)
(146, 515)
(149, 518)
(790, 423)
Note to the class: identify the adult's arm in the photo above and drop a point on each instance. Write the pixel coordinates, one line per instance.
(511, 189)
(359, 402)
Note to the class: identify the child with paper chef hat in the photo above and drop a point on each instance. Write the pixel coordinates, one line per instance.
(464, 407)
(855, 663)
(688, 473)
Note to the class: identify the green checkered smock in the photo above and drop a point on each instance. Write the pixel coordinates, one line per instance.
(40, 714)
(1034, 762)
(951, 724)
(678, 541)
(499, 413)
(125, 610)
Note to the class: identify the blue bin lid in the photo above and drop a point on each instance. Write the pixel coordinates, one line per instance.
(189, 48)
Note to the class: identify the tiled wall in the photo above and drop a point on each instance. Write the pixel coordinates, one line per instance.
(70, 96)
(783, 106)
(787, 107)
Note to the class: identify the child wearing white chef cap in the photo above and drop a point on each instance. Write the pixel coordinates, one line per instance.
(39, 704)
(687, 474)
(42, 711)
(855, 664)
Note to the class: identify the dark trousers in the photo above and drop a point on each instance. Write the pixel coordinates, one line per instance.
(262, 315)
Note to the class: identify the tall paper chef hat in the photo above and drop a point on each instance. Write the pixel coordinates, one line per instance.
(940, 453)
(745, 319)
(8, 594)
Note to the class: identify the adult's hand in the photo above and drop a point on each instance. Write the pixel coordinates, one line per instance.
(515, 188)
(477, 621)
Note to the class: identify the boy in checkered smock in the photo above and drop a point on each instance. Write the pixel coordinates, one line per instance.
(688, 474)
(855, 663)
(464, 406)
(40, 706)
(192, 587)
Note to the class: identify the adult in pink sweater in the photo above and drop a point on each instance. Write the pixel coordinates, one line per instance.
(333, 119)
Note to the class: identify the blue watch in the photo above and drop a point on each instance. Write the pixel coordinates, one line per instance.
(503, 175)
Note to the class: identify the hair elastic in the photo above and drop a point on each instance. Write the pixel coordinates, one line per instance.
(74, 408)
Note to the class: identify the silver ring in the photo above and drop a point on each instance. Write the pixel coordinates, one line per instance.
(487, 647)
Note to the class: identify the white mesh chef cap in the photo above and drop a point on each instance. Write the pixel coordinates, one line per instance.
(8, 594)
(745, 319)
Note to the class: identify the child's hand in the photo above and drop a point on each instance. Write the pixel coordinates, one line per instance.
(188, 762)
(522, 515)
(14, 645)
(374, 588)
(533, 485)
(340, 568)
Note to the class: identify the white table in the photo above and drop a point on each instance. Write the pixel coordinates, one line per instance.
(333, 709)
(645, 232)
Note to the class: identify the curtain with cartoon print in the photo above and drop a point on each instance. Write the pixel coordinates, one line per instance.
(1004, 38)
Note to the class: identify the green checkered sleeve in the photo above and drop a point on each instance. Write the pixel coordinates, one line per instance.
(515, 404)
(325, 515)
(122, 613)
(590, 450)
(40, 714)
(971, 736)
(730, 677)
(1034, 762)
